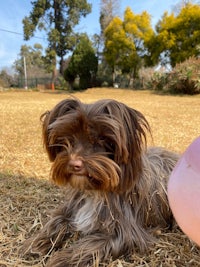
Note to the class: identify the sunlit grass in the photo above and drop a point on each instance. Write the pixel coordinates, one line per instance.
(175, 123)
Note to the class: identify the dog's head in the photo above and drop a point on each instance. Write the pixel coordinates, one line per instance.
(95, 146)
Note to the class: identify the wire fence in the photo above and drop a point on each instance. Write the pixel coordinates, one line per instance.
(40, 83)
(45, 83)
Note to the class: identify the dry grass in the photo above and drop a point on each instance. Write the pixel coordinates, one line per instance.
(26, 194)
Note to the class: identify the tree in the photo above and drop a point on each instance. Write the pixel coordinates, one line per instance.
(6, 80)
(125, 41)
(58, 18)
(117, 45)
(83, 63)
(178, 6)
(35, 63)
(160, 42)
(139, 31)
(70, 73)
(178, 36)
(108, 10)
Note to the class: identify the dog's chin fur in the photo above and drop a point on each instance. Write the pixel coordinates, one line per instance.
(115, 186)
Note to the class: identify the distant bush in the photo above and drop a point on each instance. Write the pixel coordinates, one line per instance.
(104, 81)
(6, 80)
(158, 81)
(183, 79)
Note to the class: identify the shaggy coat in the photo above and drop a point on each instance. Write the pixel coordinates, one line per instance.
(115, 186)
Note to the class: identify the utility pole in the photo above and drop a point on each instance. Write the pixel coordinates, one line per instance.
(25, 75)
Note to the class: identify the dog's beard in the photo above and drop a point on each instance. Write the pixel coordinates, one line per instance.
(98, 172)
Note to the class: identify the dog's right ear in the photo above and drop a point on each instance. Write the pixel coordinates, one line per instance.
(49, 117)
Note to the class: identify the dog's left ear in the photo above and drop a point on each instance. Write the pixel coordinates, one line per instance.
(49, 117)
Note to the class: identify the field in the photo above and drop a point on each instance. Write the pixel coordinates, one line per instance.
(27, 195)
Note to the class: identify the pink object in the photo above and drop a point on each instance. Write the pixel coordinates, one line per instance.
(184, 191)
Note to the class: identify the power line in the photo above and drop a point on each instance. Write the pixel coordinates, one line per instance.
(18, 33)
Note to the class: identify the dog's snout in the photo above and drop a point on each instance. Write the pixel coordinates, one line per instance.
(76, 164)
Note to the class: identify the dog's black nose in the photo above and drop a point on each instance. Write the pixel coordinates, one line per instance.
(76, 164)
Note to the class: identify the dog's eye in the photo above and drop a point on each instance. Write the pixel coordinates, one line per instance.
(110, 146)
(99, 143)
(105, 141)
(101, 139)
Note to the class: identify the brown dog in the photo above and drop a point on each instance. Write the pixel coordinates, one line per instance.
(115, 187)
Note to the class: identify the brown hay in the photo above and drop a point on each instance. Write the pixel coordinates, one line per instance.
(26, 195)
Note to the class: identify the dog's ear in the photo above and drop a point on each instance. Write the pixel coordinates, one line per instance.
(49, 117)
(133, 129)
(136, 128)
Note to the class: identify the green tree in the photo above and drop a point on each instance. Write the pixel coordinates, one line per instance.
(83, 63)
(35, 63)
(58, 18)
(70, 72)
(178, 36)
(6, 80)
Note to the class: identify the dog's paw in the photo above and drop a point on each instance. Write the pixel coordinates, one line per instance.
(45, 241)
(36, 246)
(86, 252)
(69, 257)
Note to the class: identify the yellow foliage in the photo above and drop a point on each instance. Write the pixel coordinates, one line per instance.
(124, 40)
(138, 25)
(180, 34)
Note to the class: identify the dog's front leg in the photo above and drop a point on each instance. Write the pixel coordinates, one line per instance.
(87, 252)
(52, 235)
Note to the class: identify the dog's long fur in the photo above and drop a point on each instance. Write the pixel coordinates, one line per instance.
(115, 186)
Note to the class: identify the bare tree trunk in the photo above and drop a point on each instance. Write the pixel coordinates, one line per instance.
(113, 75)
(53, 77)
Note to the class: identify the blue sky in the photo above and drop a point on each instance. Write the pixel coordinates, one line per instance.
(13, 11)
